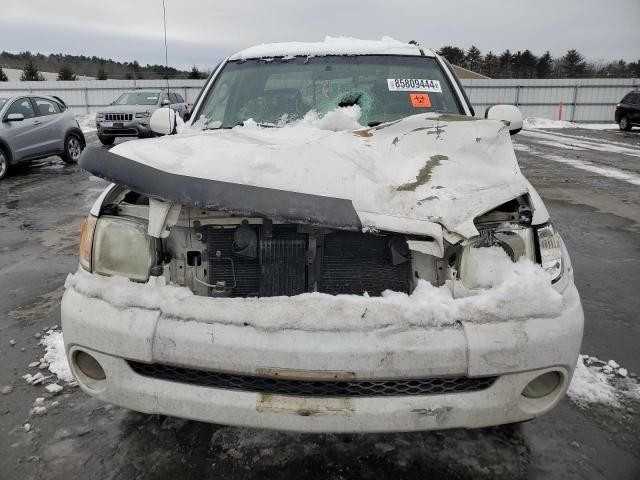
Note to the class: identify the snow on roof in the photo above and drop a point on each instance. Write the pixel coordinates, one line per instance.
(331, 46)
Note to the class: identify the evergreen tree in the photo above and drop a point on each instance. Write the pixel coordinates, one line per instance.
(573, 64)
(490, 65)
(544, 65)
(195, 74)
(527, 64)
(30, 72)
(3, 76)
(473, 59)
(455, 55)
(505, 64)
(633, 69)
(66, 74)
(102, 74)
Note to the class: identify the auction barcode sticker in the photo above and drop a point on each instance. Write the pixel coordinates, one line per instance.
(413, 85)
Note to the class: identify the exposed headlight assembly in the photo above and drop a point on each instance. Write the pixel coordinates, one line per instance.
(516, 240)
(550, 251)
(116, 246)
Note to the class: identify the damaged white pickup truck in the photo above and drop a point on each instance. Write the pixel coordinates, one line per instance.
(332, 243)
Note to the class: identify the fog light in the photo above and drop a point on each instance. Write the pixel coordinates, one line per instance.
(89, 366)
(543, 385)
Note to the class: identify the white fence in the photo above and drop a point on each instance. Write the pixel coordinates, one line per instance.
(87, 96)
(575, 100)
(582, 100)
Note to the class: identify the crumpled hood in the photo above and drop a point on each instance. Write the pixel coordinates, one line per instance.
(410, 176)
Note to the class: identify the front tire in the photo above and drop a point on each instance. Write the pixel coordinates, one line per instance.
(72, 149)
(624, 124)
(4, 163)
(107, 141)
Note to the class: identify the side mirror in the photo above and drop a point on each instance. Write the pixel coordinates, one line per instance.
(14, 117)
(165, 102)
(508, 114)
(163, 121)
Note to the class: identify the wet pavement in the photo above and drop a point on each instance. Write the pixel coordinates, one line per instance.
(41, 207)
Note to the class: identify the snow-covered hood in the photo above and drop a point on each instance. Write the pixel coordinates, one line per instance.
(415, 175)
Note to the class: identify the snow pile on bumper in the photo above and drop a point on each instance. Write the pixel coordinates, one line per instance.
(522, 290)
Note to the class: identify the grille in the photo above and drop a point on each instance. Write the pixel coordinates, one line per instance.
(308, 388)
(118, 117)
(282, 266)
(350, 263)
(354, 263)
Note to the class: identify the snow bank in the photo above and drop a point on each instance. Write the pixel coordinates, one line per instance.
(330, 46)
(55, 356)
(427, 306)
(532, 123)
(597, 382)
(87, 122)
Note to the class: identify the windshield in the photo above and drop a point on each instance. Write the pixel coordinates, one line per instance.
(276, 91)
(138, 98)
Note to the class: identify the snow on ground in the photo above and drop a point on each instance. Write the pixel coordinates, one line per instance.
(579, 142)
(55, 356)
(531, 123)
(598, 382)
(611, 172)
(509, 298)
(87, 122)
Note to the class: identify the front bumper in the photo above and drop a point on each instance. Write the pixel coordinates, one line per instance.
(516, 351)
(131, 128)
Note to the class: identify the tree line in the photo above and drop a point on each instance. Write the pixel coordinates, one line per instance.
(528, 65)
(69, 67)
(521, 64)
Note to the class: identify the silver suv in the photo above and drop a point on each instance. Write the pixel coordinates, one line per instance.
(37, 126)
(129, 115)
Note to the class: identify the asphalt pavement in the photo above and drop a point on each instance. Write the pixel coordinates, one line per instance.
(590, 181)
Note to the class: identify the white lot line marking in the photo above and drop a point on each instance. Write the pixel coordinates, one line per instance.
(610, 172)
(584, 143)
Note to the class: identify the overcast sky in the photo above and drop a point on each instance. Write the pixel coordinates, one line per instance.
(202, 32)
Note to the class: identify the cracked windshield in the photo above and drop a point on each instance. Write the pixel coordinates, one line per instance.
(276, 91)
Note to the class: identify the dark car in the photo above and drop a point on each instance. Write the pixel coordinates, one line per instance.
(37, 126)
(628, 111)
(128, 116)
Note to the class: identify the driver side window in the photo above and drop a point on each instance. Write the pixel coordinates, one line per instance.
(23, 106)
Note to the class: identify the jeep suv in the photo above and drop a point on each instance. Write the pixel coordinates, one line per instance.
(128, 116)
(627, 114)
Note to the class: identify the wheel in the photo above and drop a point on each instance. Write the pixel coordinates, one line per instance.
(625, 124)
(4, 164)
(72, 149)
(106, 140)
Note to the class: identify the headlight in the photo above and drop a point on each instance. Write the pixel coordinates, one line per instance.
(550, 251)
(514, 239)
(86, 241)
(99, 116)
(142, 114)
(116, 246)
